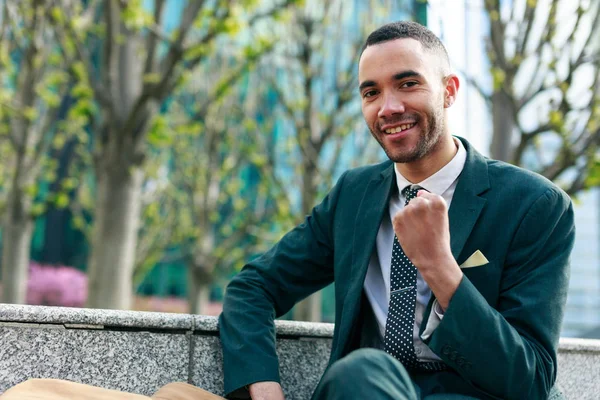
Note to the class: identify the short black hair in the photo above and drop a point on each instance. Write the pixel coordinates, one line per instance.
(407, 30)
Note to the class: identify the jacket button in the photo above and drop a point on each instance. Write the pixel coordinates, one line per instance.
(452, 356)
(460, 361)
(446, 350)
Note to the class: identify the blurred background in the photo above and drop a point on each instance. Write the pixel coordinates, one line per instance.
(151, 147)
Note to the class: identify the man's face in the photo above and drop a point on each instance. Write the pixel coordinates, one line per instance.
(402, 92)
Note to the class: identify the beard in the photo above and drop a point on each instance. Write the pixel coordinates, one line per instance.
(429, 138)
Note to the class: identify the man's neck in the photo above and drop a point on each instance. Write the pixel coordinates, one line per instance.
(419, 170)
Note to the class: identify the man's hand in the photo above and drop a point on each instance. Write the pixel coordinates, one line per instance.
(423, 231)
(266, 391)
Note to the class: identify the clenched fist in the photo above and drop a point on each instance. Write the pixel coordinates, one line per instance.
(423, 231)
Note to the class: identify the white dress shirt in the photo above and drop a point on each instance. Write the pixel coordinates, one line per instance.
(377, 281)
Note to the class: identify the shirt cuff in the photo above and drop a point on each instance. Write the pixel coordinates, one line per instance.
(438, 309)
(435, 317)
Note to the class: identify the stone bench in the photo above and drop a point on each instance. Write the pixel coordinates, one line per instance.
(140, 351)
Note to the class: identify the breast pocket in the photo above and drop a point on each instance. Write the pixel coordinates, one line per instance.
(486, 279)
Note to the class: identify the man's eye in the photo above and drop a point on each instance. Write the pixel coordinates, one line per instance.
(410, 84)
(369, 93)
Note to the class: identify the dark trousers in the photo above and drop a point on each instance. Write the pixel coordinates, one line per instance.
(375, 375)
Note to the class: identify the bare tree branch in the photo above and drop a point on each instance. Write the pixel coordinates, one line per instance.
(152, 39)
(525, 29)
(110, 69)
(282, 99)
(176, 50)
(100, 92)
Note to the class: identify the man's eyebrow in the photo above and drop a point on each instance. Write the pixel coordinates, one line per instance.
(397, 77)
(366, 84)
(406, 74)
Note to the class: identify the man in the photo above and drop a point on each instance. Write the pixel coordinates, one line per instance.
(451, 270)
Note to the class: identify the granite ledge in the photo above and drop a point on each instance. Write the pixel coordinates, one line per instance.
(310, 329)
(287, 328)
(86, 318)
(579, 345)
(93, 317)
(98, 318)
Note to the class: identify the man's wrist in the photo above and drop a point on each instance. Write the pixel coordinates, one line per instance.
(443, 280)
(266, 390)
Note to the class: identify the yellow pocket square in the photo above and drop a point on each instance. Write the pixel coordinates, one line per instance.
(477, 259)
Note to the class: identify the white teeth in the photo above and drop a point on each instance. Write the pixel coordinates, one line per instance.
(399, 128)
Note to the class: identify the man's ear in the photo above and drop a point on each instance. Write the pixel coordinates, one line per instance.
(452, 85)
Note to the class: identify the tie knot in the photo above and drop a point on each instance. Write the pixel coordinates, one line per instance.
(410, 192)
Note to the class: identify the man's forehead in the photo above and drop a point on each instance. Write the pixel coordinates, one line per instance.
(394, 55)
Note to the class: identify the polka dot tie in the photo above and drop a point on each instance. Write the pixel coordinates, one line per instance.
(398, 340)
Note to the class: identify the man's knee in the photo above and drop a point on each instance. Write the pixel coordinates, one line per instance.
(361, 362)
(368, 371)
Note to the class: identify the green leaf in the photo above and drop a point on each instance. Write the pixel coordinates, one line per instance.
(259, 159)
(78, 222)
(159, 134)
(57, 78)
(70, 183)
(239, 204)
(30, 113)
(61, 200)
(226, 230)
(197, 51)
(556, 119)
(80, 71)
(498, 76)
(135, 16)
(82, 90)
(153, 77)
(37, 210)
(58, 15)
(59, 141)
(50, 98)
(31, 190)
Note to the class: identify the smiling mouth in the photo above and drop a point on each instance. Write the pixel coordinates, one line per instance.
(398, 129)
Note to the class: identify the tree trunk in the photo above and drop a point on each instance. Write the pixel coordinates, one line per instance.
(503, 127)
(16, 243)
(198, 293)
(309, 309)
(16, 238)
(116, 220)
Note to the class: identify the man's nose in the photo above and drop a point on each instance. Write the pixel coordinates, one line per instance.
(391, 105)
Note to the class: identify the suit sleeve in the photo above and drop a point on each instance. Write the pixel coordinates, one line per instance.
(268, 287)
(508, 350)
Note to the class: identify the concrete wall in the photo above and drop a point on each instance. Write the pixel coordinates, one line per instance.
(139, 352)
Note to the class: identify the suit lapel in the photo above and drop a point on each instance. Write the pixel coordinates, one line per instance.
(466, 203)
(372, 207)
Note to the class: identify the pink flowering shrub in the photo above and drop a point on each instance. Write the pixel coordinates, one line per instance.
(51, 285)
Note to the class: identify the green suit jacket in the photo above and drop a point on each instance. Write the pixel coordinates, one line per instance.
(500, 332)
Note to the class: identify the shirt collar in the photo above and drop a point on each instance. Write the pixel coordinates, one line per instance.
(439, 182)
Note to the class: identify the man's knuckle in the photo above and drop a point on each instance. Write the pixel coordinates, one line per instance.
(438, 204)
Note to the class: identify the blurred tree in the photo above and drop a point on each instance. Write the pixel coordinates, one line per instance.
(545, 99)
(320, 130)
(139, 65)
(37, 87)
(210, 199)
